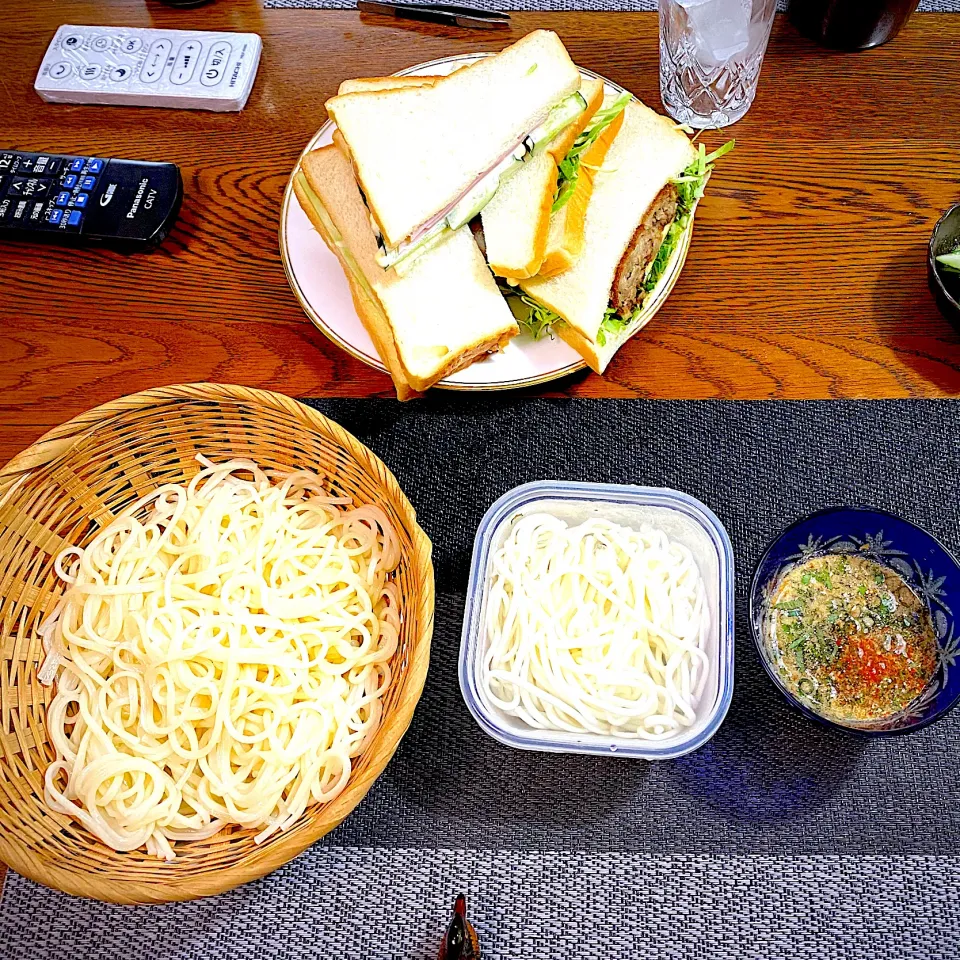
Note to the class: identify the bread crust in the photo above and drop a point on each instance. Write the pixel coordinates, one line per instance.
(370, 313)
(586, 348)
(562, 254)
(367, 84)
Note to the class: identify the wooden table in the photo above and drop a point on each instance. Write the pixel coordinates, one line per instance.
(806, 277)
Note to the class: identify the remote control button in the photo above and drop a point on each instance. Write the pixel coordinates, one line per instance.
(8, 162)
(6, 209)
(216, 63)
(62, 199)
(60, 69)
(186, 62)
(46, 166)
(91, 71)
(101, 43)
(20, 208)
(55, 216)
(29, 187)
(94, 166)
(131, 45)
(121, 73)
(80, 200)
(88, 183)
(77, 165)
(36, 212)
(73, 41)
(69, 181)
(153, 65)
(74, 218)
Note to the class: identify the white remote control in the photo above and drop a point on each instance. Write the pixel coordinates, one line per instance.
(138, 67)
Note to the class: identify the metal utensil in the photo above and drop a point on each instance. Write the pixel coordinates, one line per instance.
(451, 14)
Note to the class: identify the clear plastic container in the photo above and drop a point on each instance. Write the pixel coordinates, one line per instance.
(683, 519)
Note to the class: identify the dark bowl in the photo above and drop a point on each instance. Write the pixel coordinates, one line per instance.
(919, 558)
(944, 284)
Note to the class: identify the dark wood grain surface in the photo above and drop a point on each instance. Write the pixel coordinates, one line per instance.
(806, 277)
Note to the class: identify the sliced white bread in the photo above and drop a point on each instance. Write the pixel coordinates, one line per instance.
(441, 315)
(368, 308)
(516, 222)
(417, 149)
(648, 151)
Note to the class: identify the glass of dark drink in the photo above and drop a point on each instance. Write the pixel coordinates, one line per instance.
(851, 24)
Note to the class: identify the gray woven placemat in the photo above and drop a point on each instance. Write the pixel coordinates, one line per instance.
(778, 833)
(611, 6)
(337, 904)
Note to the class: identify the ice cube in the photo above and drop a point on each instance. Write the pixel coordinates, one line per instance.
(722, 29)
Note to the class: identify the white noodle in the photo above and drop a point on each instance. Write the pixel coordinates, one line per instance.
(595, 628)
(223, 650)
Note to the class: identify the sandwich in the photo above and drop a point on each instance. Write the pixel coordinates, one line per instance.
(641, 205)
(441, 314)
(429, 156)
(534, 223)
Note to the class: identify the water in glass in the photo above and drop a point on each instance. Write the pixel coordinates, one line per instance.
(711, 52)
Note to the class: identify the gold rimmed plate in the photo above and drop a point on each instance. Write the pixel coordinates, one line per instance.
(318, 283)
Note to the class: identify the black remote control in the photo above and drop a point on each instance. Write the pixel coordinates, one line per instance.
(127, 205)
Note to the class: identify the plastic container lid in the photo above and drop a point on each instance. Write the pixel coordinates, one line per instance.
(683, 519)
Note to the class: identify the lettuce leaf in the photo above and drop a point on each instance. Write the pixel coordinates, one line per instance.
(614, 324)
(690, 187)
(569, 167)
(533, 318)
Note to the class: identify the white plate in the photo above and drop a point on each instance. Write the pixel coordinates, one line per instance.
(319, 284)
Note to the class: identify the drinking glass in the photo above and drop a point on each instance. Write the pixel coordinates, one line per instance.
(711, 52)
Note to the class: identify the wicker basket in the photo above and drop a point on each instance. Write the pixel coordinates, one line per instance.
(62, 490)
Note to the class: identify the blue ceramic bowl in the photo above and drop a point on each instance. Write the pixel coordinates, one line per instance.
(923, 562)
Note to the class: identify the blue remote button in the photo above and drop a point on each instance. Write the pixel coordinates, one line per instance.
(69, 181)
(94, 166)
(77, 165)
(74, 218)
(80, 200)
(55, 216)
(63, 198)
(88, 183)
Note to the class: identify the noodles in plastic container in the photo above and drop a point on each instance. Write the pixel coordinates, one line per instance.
(221, 652)
(595, 628)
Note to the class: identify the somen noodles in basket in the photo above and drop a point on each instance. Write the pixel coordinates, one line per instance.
(221, 652)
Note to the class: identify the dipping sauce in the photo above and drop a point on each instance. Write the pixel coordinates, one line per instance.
(851, 638)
